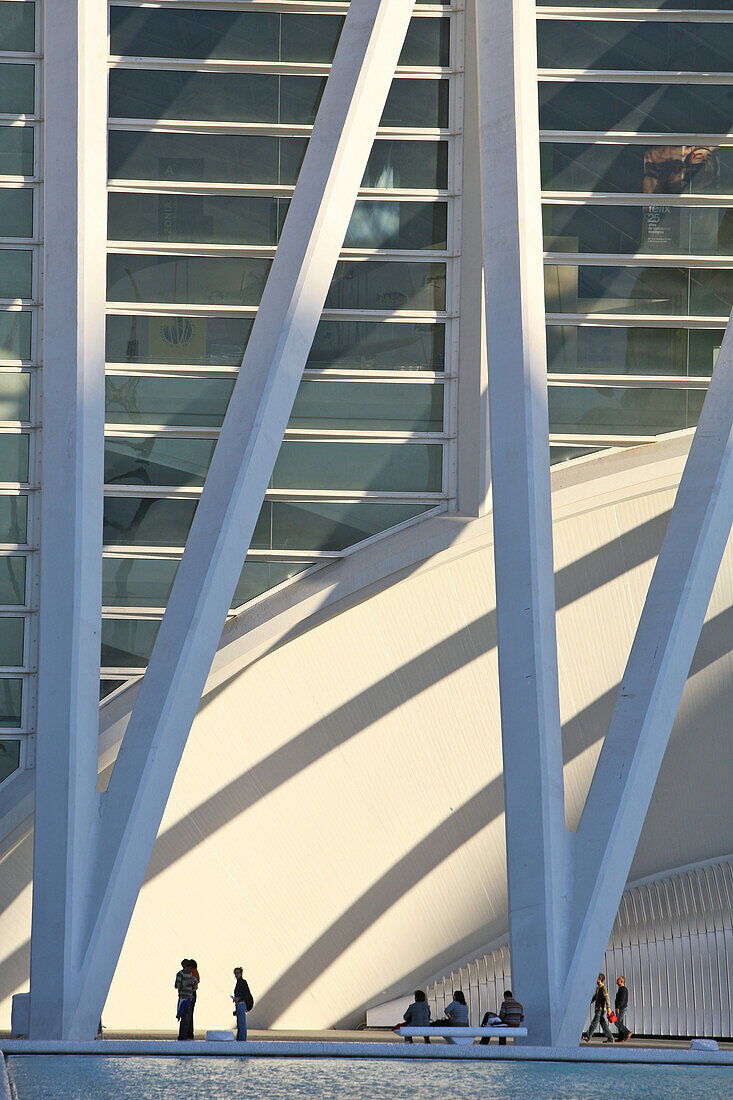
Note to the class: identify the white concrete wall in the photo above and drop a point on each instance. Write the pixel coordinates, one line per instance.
(336, 823)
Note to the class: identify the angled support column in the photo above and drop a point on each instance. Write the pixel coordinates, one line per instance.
(520, 460)
(72, 437)
(652, 685)
(248, 445)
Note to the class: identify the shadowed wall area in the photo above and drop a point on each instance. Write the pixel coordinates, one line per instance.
(336, 825)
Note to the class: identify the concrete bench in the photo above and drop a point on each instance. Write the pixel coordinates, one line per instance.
(464, 1035)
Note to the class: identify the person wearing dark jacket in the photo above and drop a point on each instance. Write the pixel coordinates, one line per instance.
(186, 984)
(622, 1003)
(602, 1005)
(243, 1001)
(418, 1014)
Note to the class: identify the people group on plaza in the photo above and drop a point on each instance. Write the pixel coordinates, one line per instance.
(187, 983)
(455, 1014)
(602, 1011)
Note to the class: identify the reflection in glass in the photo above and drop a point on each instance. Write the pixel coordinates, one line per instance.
(189, 402)
(662, 229)
(417, 103)
(637, 169)
(559, 453)
(376, 467)
(17, 27)
(16, 212)
(642, 46)
(260, 576)
(599, 410)
(15, 273)
(106, 687)
(13, 518)
(147, 521)
(373, 406)
(407, 164)
(15, 400)
(313, 525)
(9, 750)
(385, 285)
(16, 150)
(15, 334)
(14, 457)
(373, 345)
(11, 698)
(612, 349)
(16, 89)
(217, 341)
(639, 291)
(12, 630)
(640, 108)
(183, 280)
(12, 580)
(157, 460)
(128, 643)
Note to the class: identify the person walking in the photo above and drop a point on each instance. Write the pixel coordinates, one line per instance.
(186, 984)
(622, 1003)
(418, 1014)
(243, 1003)
(602, 1005)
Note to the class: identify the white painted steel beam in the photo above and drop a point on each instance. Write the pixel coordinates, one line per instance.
(72, 436)
(652, 684)
(520, 461)
(312, 237)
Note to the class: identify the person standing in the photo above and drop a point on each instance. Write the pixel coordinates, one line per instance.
(622, 1003)
(602, 1005)
(186, 985)
(418, 1014)
(243, 1003)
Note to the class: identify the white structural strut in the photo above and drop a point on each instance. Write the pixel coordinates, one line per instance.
(75, 37)
(520, 460)
(313, 234)
(652, 685)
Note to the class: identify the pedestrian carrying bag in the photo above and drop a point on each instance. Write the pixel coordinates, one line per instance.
(249, 1001)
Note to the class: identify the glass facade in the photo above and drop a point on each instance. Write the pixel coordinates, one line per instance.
(19, 362)
(210, 112)
(637, 178)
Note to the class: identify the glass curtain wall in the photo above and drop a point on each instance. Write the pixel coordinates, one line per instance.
(210, 112)
(636, 120)
(19, 363)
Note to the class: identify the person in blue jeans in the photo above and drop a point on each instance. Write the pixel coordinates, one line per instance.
(243, 1002)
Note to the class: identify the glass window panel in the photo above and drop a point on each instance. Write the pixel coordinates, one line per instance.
(189, 402)
(427, 43)
(380, 467)
(14, 457)
(649, 170)
(417, 103)
(13, 518)
(370, 345)
(407, 164)
(147, 521)
(12, 630)
(128, 643)
(299, 98)
(563, 454)
(15, 396)
(385, 285)
(370, 406)
(15, 334)
(194, 33)
(11, 699)
(641, 108)
(310, 37)
(620, 44)
(403, 225)
(259, 576)
(137, 582)
(671, 230)
(204, 219)
(106, 687)
(595, 349)
(184, 280)
(12, 580)
(678, 5)
(312, 525)
(598, 410)
(9, 750)
(16, 89)
(220, 97)
(16, 212)
(159, 460)
(204, 158)
(633, 290)
(17, 27)
(218, 341)
(15, 273)
(16, 150)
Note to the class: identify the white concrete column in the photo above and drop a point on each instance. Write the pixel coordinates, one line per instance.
(72, 441)
(531, 734)
(263, 396)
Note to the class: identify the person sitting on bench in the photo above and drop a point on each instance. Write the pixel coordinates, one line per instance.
(511, 1014)
(456, 1013)
(418, 1014)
